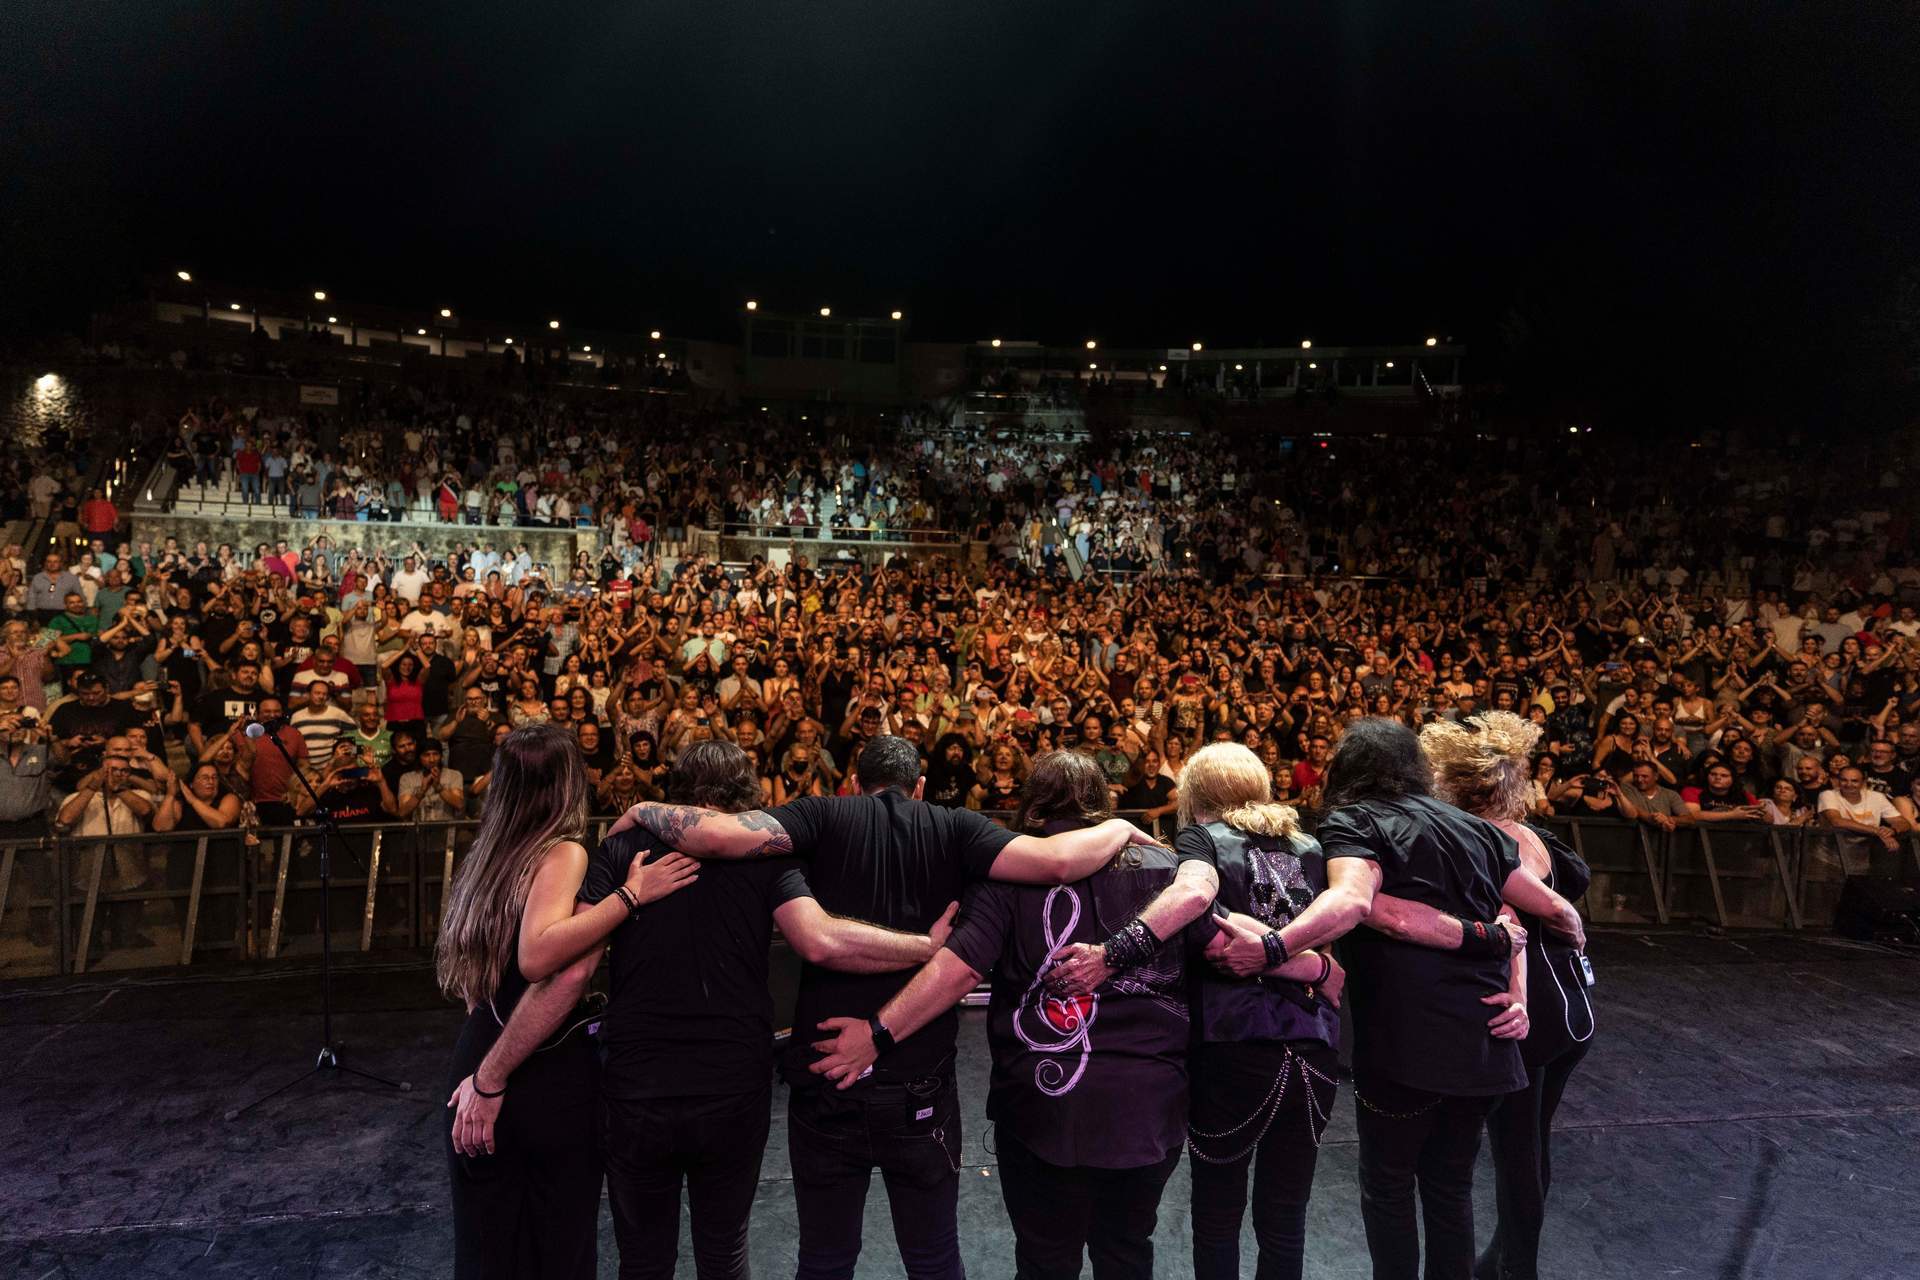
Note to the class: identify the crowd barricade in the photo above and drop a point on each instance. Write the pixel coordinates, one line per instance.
(75, 906)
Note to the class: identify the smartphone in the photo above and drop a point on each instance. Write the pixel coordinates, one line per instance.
(359, 773)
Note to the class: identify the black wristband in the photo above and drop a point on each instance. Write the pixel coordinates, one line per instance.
(1276, 948)
(479, 1092)
(626, 896)
(1326, 970)
(1484, 938)
(883, 1041)
(1132, 943)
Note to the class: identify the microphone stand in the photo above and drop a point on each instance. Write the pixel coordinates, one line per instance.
(328, 1060)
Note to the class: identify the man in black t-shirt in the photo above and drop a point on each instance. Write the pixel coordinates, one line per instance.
(889, 857)
(688, 1037)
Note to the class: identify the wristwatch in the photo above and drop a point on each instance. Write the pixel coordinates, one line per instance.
(882, 1038)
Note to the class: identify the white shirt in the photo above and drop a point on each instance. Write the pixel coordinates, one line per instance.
(1873, 808)
(408, 586)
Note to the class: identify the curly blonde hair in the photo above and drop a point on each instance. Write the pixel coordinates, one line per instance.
(1482, 764)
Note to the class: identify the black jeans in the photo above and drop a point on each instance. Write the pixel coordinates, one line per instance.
(1060, 1213)
(1520, 1136)
(911, 1133)
(1409, 1138)
(714, 1144)
(1238, 1121)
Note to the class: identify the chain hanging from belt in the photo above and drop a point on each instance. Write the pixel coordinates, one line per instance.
(1268, 1110)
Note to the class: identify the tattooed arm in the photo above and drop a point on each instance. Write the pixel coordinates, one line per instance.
(706, 834)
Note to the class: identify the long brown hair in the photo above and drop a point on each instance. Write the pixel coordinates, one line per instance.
(537, 797)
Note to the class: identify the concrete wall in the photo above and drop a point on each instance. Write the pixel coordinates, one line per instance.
(555, 547)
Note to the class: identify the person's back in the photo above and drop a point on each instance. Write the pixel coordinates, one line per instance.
(897, 862)
(1417, 1011)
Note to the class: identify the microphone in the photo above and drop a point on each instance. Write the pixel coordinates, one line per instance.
(261, 728)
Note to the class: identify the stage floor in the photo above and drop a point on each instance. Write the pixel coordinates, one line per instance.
(1751, 1108)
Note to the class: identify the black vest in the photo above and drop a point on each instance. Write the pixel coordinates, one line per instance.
(1272, 879)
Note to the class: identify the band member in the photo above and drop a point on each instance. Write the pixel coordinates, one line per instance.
(1426, 1070)
(1482, 765)
(1089, 1091)
(687, 1040)
(526, 1199)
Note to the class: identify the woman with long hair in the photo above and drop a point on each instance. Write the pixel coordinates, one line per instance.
(1263, 1061)
(1481, 765)
(526, 1197)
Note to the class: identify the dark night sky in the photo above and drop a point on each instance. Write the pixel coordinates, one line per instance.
(1655, 189)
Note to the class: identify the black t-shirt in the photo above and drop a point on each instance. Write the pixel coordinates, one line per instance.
(895, 862)
(691, 1015)
(218, 710)
(1096, 1081)
(1417, 1014)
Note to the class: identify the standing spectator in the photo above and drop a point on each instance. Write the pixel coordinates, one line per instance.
(47, 590)
(322, 724)
(31, 664)
(247, 465)
(270, 776)
(98, 516)
(431, 792)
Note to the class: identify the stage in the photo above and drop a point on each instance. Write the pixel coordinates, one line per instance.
(1751, 1108)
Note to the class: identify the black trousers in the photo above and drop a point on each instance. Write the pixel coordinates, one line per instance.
(1058, 1214)
(1409, 1139)
(1239, 1121)
(1520, 1136)
(714, 1145)
(911, 1133)
(530, 1211)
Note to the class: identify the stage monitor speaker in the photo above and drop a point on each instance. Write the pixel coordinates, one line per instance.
(1877, 910)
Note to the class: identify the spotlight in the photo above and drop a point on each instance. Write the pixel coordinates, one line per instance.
(825, 312)
(185, 275)
(319, 295)
(421, 332)
(1306, 344)
(663, 355)
(333, 319)
(509, 341)
(1163, 368)
(1196, 346)
(1573, 431)
(1433, 342)
(233, 306)
(588, 350)
(1091, 344)
(1313, 364)
(996, 342)
(553, 324)
(655, 335)
(752, 305)
(897, 315)
(1389, 364)
(446, 313)
(1237, 368)
(1093, 366)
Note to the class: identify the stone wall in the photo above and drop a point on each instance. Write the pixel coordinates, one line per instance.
(556, 547)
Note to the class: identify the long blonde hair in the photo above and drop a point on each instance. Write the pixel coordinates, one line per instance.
(1227, 780)
(1482, 764)
(537, 797)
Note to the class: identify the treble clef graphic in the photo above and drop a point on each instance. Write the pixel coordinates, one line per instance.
(1063, 1024)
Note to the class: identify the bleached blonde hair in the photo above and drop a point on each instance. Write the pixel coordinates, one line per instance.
(1483, 764)
(1228, 781)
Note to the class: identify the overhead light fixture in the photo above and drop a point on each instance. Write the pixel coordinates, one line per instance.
(233, 306)
(185, 275)
(588, 350)
(421, 332)
(655, 335)
(509, 341)
(333, 319)
(1573, 431)
(1091, 344)
(897, 315)
(319, 295)
(1389, 364)
(1093, 366)
(1313, 364)
(446, 313)
(553, 324)
(1163, 368)
(1433, 342)
(825, 312)
(1197, 346)
(1306, 344)
(996, 342)
(661, 355)
(752, 305)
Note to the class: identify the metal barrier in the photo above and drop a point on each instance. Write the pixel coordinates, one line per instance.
(70, 906)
